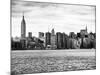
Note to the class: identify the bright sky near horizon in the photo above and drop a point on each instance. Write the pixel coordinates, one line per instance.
(42, 16)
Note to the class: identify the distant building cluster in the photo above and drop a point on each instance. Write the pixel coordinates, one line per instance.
(52, 40)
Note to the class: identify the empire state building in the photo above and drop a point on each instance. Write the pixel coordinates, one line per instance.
(23, 28)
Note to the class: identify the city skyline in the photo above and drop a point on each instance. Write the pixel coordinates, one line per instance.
(42, 17)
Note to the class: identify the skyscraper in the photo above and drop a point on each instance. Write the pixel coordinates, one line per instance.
(72, 35)
(41, 34)
(59, 40)
(53, 39)
(86, 28)
(41, 37)
(84, 32)
(23, 28)
(30, 34)
(23, 33)
(48, 39)
(64, 43)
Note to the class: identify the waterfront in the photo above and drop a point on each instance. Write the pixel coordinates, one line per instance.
(37, 61)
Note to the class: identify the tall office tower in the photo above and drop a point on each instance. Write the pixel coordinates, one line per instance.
(30, 34)
(41, 34)
(86, 28)
(84, 32)
(72, 35)
(47, 39)
(41, 37)
(59, 40)
(64, 44)
(53, 39)
(78, 35)
(23, 33)
(23, 28)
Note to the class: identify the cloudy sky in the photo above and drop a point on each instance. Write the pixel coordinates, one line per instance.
(42, 17)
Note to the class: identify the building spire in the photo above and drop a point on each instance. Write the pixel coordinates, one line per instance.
(23, 15)
(52, 26)
(23, 27)
(52, 31)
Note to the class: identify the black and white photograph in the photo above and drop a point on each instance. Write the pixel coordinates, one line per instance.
(52, 37)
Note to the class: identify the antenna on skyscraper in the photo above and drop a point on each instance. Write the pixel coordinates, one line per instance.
(52, 26)
(23, 14)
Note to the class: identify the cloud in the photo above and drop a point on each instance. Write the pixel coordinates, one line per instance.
(65, 18)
